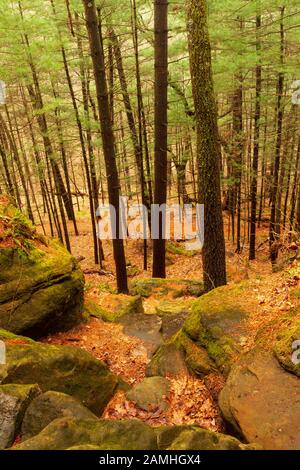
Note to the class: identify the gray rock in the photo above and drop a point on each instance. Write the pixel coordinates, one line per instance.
(144, 327)
(151, 393)
(14, 399)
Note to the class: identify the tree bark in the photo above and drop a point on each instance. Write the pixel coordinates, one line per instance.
(208, 144)
(161, 129)
(107, 137)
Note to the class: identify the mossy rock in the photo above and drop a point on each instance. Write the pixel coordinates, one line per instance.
(285, 348)
(218, 323)
(60, 368)
(172, 287)
(41, 291)
(94, 447)
(202, 439)
(49, 406)
(112, 307)
(167, 361)
(41, 285)
(173, 312)
(196, 357)
(65, 433)
(14, 399)
(7, 336)
(178, 249)
(173, 307)
(193, 437)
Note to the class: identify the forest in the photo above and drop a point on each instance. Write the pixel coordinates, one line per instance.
(149, 226)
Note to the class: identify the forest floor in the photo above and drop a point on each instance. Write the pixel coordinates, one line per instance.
(191, 400)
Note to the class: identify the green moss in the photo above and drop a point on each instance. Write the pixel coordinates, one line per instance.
(65, 433)
(114, 306)
(60, 368)
(7, 335)
(283, 348)
(196, 357)
(56, 304)
(161, 287)
(173, 307)
(178, 249)
(40, 289)
(213, 323)
(196, 438)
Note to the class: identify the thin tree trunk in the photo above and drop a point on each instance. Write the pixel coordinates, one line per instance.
(161, 129)
(95, 42)
(254, 172)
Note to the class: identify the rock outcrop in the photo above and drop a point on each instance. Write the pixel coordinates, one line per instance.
(260, 401)
(60, 368)
(41, 285)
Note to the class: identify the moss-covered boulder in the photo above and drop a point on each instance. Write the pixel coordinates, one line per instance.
(173, 313)
(112, 307)
(287, 344)
(14, 399)
(196, 357)
(49, 406)
(167, 361)
(60, 368)
(41, 285)
(172, 288)
(12, 338)
(66, 433)
(218, 323)
(195, 438)
(260, 401)
(173, 307)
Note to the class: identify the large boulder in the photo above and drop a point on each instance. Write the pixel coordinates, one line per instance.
(167, 361)
(65, 433)
(41, 286)
(60, 368)
(193, 437)
(14, 399)
(173, 313)
(218, 323)
(49, 406)
(260, 401)
(112, 307)
(286, 346)
(196, 357)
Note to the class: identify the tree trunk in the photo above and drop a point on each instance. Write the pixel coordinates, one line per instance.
(107, 137)
(161, 129)
(274, 228)
(208, 145)
(253, 188)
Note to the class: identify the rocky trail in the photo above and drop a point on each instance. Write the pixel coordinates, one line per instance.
(127, 348)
